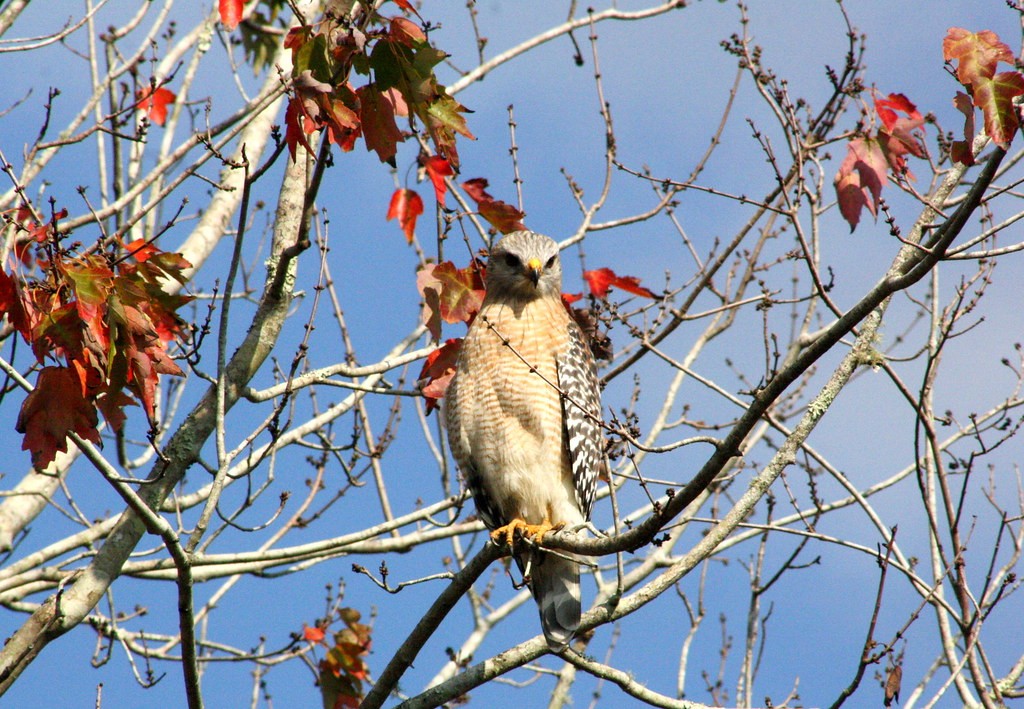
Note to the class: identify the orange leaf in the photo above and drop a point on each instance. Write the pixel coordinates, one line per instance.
(405, 206)
(231, 13)
(140, 249)
(313, 634)
(452, 294)
(406, 32)
(154, 103)
(604, 278)
(976, 54)
(460, 291)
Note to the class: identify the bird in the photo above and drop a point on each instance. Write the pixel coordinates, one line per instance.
(523, 414)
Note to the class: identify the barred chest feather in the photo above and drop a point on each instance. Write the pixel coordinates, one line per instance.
(505, 415)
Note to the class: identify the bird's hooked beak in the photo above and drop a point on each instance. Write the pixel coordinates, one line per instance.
(534, 270)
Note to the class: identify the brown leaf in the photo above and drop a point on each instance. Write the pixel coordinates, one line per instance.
(377, 116)
(438, 371)
(56, 407)
(961, 150)
(503, 217)
(600, 343)
(892, 684)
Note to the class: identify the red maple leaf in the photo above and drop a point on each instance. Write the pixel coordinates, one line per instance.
(14, 305)
(977, 56)
(437, 169)
(502, 216)
(56, 407)
(377, 116)
(604, 278)
(438, 371)
(860, 178)
(231, 13)
(111, 404)
(154, 103)
(405, 206)
(340, 114)
(91, 280)
(294, 133)
(139, 354)
(995, 99)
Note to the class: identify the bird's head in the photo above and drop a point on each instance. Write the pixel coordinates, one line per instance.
(524, 265)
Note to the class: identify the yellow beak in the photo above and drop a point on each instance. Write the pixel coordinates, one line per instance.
(533, 270)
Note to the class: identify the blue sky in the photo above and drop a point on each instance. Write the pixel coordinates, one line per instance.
(666, 81)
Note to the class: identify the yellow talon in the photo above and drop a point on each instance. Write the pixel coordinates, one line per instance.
(507, 534)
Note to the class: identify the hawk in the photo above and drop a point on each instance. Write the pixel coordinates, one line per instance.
(524, 420)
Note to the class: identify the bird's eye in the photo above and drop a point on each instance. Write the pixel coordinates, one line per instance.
(512, 261)
(551, 261)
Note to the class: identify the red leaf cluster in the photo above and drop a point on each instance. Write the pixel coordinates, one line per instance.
(108, 323)
(870, 157)
(502, 216)
(400, 59)
(900, 135)
(56, 407)
(453, 295)
(977, 56)
(343, 671)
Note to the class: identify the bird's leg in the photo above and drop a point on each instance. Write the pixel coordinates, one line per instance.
(505, 535)
(537, 531)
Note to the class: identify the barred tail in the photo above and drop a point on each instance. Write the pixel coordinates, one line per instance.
(555, 582)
